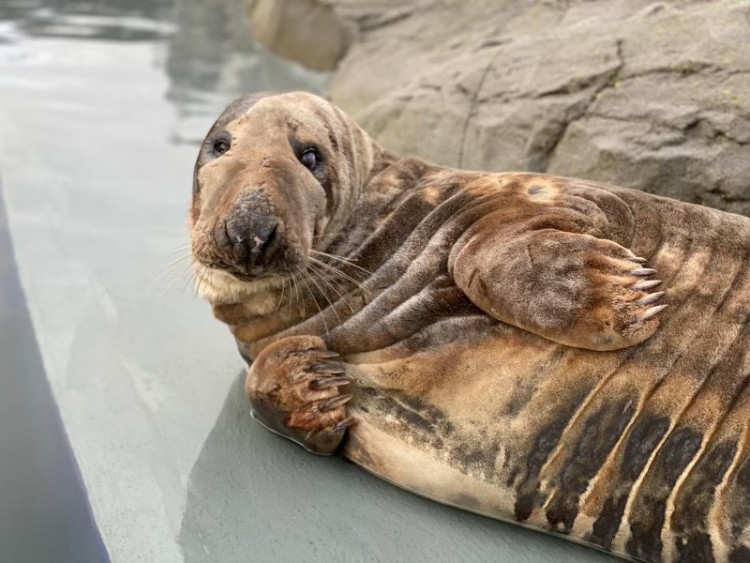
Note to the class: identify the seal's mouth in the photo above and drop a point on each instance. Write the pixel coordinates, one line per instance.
(249, 250)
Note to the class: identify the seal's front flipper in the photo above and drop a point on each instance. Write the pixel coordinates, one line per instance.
(294, 385)
(571, 288)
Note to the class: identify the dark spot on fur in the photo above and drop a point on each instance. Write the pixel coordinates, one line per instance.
(478, 457)
(524, 506)
(546, 440)
(647, 516)
(640, 444)
(696, 498)
(740, 554)
(646, 434)
(695, 547)
(601, 432)
(426, 425)
(742, 488)
(607, 524)
(737, 508)
(534, 190)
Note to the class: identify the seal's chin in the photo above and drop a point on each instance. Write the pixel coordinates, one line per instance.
(221, 279)
(251, 275)
(219, 286)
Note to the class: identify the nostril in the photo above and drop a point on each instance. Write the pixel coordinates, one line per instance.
(263, 227)
(234, 236)
(251, 239)
(236, 232)
(267, 247)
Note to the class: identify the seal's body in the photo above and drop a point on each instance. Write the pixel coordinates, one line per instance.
(492, 341)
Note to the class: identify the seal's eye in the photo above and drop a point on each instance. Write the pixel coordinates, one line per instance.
(310, 159)
(220, 147)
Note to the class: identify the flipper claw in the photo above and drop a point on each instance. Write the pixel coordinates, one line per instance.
(335, 402)
(346, 423)
(325, 382)
(652, 312)
(328, 367)
(323, 353)
(644, 285)
(648, 299)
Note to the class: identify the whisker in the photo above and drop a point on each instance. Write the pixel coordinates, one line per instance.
(314, 299)
(296, 287)
(180, 256)
(347, 261)
(283, 289)
(199, 280)
(337, 271)
(313, 274)
(173, 266)
(177, 274)
(329, 281)
(191, 275)
(335, 284)
(323, 279)
(300, 295)
(178, 260)
(342, 258)
(182, 248)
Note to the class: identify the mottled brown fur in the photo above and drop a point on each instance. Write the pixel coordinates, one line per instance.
(494, 334)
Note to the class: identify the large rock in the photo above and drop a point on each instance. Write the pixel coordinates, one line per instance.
(307, 31)
(650, 95)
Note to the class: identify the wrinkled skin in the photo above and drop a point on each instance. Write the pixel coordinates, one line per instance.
(498, 342)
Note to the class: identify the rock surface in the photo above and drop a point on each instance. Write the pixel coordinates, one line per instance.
(650, 95)
(307, 31)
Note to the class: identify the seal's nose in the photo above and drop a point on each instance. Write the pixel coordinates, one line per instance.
(252, 237)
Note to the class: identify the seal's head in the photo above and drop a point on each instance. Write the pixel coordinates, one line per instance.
(276, 176)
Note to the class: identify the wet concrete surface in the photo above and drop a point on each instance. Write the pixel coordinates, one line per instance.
(101, 107)
(44, 510)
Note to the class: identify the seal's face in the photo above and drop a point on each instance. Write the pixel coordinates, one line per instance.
(276, 176)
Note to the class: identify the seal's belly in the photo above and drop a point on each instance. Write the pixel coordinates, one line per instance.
(642, 451)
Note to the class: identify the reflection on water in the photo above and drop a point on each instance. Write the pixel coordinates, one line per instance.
(213, 52)
(205, 48)
(121, 20)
